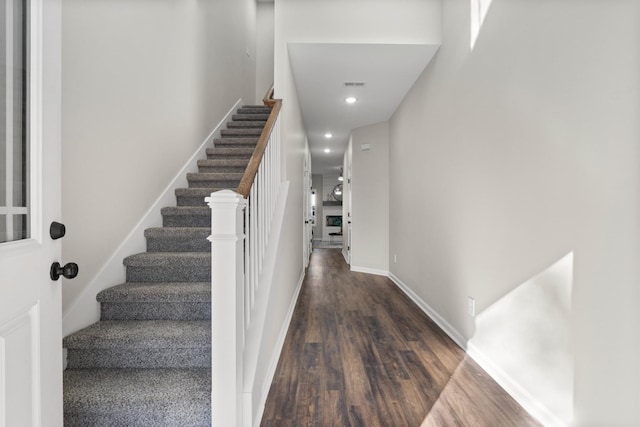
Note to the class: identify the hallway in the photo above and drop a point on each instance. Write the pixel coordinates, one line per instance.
(359, 353)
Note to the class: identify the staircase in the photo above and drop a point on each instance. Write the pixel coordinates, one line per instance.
(147, 362)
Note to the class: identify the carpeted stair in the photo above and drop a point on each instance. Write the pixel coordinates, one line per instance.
(147, 361)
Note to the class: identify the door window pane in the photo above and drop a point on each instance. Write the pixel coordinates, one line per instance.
(14, 148)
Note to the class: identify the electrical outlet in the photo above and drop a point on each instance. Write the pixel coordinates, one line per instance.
(395, 258)
(471, 307)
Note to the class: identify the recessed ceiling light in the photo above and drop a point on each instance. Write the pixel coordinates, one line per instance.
(328, 135)
(350, 100)
(327, 150)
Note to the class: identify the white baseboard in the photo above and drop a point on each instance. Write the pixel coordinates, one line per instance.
(439, 320)
(271, 372)
(85, 310)
(529, 403)
(367, 270)
(512, 387)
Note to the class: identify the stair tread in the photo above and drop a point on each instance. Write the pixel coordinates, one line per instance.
(137, 397)
(164, 259)
(133, 334)
(157, 292)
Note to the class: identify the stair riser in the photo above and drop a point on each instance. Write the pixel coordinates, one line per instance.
(235, 142)
(214, 183)
(229, 153)
(223, 169)
(254, 110)
(186, 220)
(249, 117)
(173, 244)
(235, 155)
(169, 274)
(135, 417)
(155, 311)
(190, 201)
(126, 358)
(246, 124)
(241, 133)
(142, 398)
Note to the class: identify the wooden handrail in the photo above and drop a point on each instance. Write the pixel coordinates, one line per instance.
(252, 168)
(268, 97)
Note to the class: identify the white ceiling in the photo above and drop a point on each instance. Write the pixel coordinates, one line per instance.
(320, 71)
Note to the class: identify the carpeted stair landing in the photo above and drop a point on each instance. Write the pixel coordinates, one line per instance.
(147, 361)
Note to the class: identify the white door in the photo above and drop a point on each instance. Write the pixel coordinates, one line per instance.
(30, 302)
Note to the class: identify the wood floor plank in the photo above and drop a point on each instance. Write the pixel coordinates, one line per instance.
(359, 352)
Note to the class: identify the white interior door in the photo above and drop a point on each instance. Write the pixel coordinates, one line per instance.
(30, 302)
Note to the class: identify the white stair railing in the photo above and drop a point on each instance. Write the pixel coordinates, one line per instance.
(240, 231)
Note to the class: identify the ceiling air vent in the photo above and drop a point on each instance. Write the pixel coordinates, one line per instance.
(354, 84)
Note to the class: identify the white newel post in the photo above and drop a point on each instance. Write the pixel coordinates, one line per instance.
(227, 299)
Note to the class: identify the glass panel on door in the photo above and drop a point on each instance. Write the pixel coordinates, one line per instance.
(14, 148)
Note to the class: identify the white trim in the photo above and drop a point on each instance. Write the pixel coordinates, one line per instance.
(13, 210)
(515, 390)
(85, 310)
(439, 320)
(35, 130)
(271, 371)
(529, 403)
(9, 109)
(367, 270)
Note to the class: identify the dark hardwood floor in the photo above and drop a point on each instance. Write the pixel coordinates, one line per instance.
(360, 353)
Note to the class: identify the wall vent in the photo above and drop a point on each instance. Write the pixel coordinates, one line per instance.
(354, 84)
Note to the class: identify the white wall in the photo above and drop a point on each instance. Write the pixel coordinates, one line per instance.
(506, 159)
(361, 21)
(264, 49)
(370, 198)
(143, 86)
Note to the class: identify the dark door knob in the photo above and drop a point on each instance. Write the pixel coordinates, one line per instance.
(57, 230)
(69, 271)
